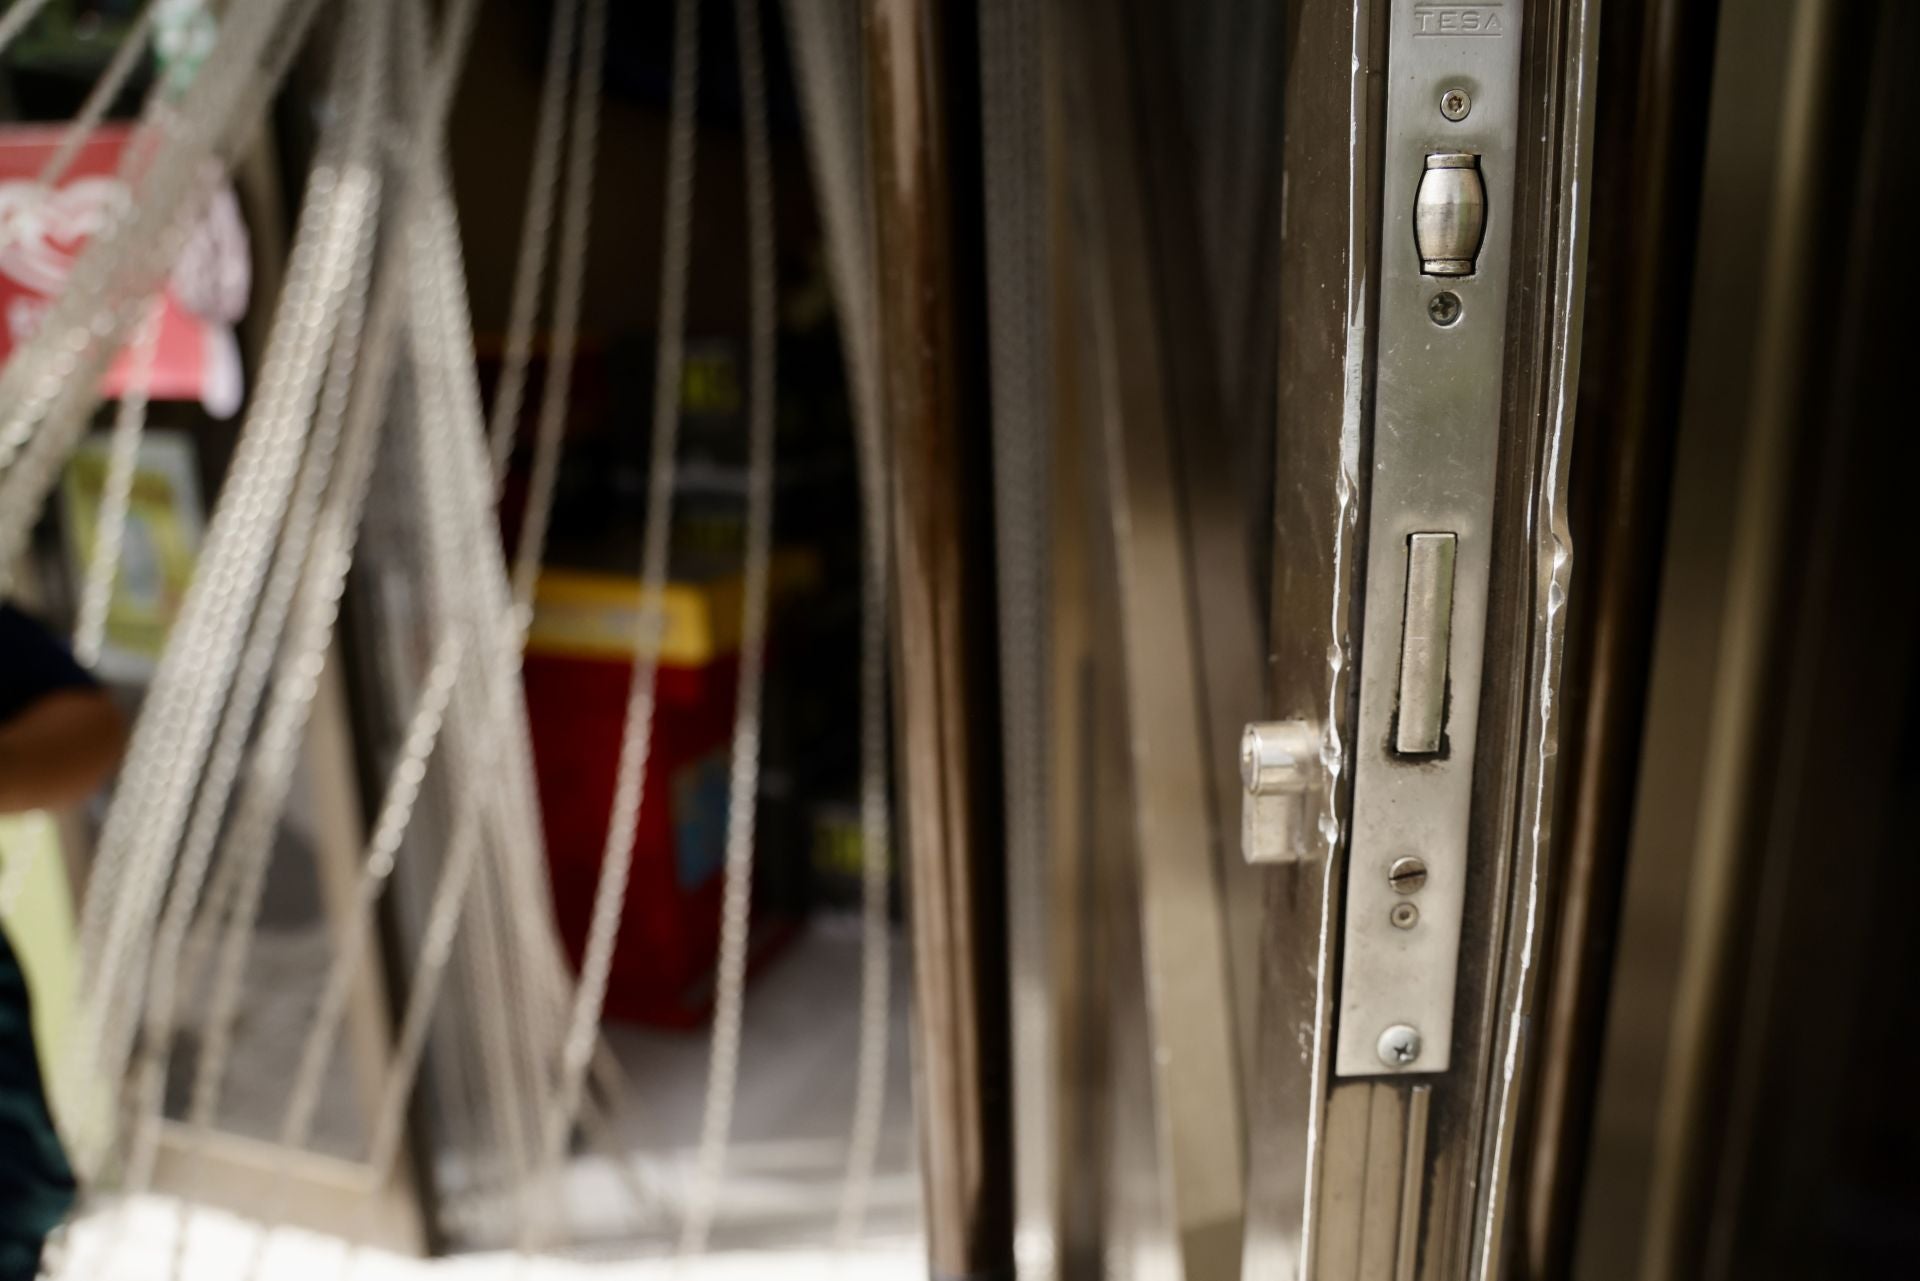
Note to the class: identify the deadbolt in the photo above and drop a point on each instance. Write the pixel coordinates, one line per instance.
(1423, 644)
(1449, 214)
(1279, 764)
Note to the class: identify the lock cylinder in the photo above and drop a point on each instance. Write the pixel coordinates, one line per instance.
(1450, 214)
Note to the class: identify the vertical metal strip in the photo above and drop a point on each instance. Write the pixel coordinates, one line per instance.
(1452, 91)
(1413, 1182)
(1551, 568)
(1206, 462)
(1329, 231)
(1384, 1183)
(1338, 1209)
(1196, 1087)
(926, 175)
(1012, 85)
(1762, 269)
(825, 41)
(1645, 165)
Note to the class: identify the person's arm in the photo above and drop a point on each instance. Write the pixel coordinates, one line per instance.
(58, 749)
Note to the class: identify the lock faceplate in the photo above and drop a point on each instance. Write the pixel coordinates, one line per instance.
(1435, 445)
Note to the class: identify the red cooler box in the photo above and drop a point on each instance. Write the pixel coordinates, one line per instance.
(578, 671)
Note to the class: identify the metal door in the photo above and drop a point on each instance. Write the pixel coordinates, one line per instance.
(1399, 792)
(1264, 1001)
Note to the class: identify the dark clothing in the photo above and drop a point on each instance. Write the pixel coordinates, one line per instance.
(36, 1184)
(33, 664)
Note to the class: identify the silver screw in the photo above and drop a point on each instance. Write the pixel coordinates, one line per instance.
(1444, 308)
(1455, 104)
(1407, 874)
(1399, 1046)
(1404, 916)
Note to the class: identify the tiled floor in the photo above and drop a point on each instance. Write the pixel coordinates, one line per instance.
(783, 1181)
(138, 1243)
(788, 1158)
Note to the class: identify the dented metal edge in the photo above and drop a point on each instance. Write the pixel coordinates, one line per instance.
(1553, 557)
(1330, 231)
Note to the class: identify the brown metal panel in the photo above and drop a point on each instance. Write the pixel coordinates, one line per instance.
(1711, 700)
(1132, 426)
(1088, 770)
(927, 207)
(1654, 72)
(1534, 561)
(1450, 1214)
(1744, 980)
(1329, 236)
(1227, 629)
(1831, 949)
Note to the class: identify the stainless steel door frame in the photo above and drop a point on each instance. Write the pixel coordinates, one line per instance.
(1407, 1176)
(1179, 1195)
(921, 60)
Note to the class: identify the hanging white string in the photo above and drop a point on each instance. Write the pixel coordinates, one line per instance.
(100, 99)
(630, 777)
(408, 773)
(300, 601)
(172, 735)
(485, 739)
(1012, 80)
(436, 946)
(124, 878)
(743, 782)
(492, 755)
(826, 42)
(459, 503)
(51, 381)
(299, 588)
(52, 378)
(367, 405)
(536, 227)
(353, 936)
(429, 970)
(123, 457)
(338, 532)
(249, 835)
(533, 927)
(512, 1078)
(333, 550)
(272, 595)
(15, 20)
(523, 1032)
(581, 144)
(256, 666)
(478, 719)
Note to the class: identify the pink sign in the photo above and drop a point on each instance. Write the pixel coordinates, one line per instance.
(195, 355)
